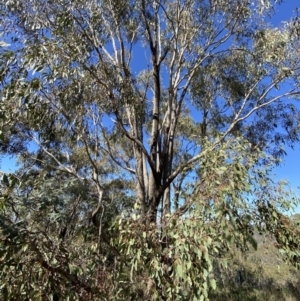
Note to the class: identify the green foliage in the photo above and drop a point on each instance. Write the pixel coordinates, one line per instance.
(132, 181)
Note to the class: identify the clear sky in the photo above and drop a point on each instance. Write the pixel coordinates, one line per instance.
(290, 168)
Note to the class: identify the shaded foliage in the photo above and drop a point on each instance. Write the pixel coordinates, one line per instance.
(134, 176)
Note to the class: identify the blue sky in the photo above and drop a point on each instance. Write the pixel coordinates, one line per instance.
(285, 11)
(290, 167)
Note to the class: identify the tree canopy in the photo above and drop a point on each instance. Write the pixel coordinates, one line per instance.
(146, 133)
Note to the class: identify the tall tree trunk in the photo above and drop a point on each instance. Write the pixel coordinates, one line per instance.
(140, 183)
(136, 129)
(168, 149)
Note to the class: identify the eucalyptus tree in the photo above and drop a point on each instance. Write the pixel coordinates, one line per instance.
(170, 112)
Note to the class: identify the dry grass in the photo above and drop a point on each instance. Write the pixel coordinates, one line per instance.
(266, 277)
